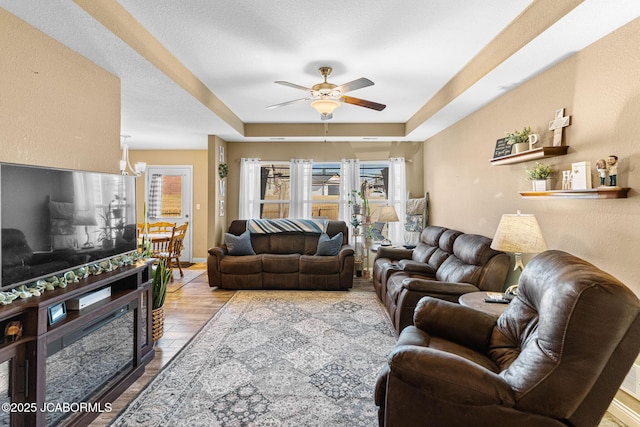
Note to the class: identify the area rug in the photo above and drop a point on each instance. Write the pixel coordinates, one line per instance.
(274, 358)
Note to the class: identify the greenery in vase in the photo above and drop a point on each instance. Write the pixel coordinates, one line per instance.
(353, 200)
(363, 196)
(161, 277)
(146, 246)
(517, 136)
(365, 201)
(539, 172)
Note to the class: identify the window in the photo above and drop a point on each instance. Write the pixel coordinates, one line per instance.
(275, 184)
(165, 196)
(274, 180)
(325, 190)
(171, 196)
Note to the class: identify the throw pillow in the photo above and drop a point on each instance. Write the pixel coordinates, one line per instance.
(329, 246)
(239, 245)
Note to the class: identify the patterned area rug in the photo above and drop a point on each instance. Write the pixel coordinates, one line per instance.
(274, 358)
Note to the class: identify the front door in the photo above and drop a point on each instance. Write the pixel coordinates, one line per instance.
(168, 192)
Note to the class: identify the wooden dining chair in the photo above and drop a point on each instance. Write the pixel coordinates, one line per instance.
(174, 250)
(160, 227)
(161, 245)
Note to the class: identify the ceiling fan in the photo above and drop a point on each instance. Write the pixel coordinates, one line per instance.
(325, 97)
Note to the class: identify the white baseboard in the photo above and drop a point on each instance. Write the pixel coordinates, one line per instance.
(198, 260)
(625, 414)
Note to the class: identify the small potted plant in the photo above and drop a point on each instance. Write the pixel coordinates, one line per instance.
(355, 223)
(161, 275)
(353, 202)
(540, 176)
(519, 139)
(106, 235)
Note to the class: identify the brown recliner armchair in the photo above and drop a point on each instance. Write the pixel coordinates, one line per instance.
(555, 357)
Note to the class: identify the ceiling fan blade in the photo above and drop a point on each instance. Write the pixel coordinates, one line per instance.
(293, 85)
(282, 104)
(363, 103)
(356, 84)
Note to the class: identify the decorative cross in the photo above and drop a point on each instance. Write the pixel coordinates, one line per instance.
(556, 125)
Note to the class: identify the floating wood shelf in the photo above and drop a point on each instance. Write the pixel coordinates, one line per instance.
(525, 156)
(592, 193)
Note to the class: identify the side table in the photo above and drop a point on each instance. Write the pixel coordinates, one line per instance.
(476, 301)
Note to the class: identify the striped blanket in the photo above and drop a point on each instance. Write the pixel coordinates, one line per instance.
(269, 226)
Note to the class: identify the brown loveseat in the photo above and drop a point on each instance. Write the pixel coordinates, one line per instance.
(445, 264)
(283, 260)
(555, 357)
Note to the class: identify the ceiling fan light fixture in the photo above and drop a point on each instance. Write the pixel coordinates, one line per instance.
(325, 106)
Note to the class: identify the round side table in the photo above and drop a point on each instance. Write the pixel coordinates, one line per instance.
(476, 300)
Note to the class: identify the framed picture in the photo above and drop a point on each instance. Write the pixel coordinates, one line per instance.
(221, 207)
(221, 182)
(57, 312)
(221, 154)
(502, 148)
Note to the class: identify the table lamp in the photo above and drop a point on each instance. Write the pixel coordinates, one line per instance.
(387, 214)
(519, 234)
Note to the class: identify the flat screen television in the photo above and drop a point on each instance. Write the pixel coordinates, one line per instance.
(54, 220)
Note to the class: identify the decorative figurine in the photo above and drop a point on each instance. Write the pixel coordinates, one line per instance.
(601, 166)
(612, 163)
(567, 177)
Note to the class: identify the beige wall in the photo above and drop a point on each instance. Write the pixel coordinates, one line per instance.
(56, 107)
(321, 151)
(198, 159)
(600, 89)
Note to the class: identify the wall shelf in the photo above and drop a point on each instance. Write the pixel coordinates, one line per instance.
(591, 193)
(525, 156)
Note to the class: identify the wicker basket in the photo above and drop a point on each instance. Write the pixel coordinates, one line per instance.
(157, 323)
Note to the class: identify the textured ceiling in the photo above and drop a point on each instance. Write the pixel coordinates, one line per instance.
(195, 68)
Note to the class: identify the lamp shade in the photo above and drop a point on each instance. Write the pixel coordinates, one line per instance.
(388, 214)
(325, 106)
(519, 233)
(85, 217)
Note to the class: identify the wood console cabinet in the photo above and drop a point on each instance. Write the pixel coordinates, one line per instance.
(68, 372)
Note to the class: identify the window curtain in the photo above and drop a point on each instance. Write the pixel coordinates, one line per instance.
(85, 193)
(300, 188)
(249, 207)
(397, 198)
(155, 196)
(349, 181)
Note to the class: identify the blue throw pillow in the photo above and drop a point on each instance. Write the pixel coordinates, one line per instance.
(329, 246)
(239, 245)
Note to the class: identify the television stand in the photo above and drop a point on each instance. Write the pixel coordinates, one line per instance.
(69, 365)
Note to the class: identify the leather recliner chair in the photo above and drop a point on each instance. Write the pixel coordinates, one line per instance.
(555, 357)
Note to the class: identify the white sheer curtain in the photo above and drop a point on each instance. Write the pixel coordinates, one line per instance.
(397, 198)
(249, 206)
(349, 180)
(300, 189)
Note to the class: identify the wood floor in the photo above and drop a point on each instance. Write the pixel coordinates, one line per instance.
(188, 307)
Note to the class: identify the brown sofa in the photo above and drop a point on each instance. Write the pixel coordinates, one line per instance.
(445, 264)
(556, 356)
(283, 260)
